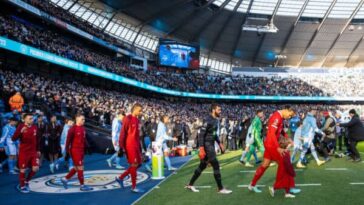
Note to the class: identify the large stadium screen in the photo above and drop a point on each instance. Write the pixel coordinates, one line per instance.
(174, 54)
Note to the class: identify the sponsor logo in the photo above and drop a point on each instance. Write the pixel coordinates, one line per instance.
(23, 49)
(3, 42)
(100, 180)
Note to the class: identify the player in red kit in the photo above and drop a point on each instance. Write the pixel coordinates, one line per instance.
(273, 152)
(75, 147)
(129, 143)
(28, 151)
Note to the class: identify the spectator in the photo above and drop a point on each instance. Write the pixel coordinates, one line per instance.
(16, 102)
(356, 134)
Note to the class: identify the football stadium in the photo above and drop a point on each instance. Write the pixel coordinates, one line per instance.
(180, 102)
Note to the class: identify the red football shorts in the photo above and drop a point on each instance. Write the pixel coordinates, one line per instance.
(272, 154)
(134, 156)
(27, 160)
(77, 156)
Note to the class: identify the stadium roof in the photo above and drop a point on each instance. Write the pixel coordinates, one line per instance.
(312, 33)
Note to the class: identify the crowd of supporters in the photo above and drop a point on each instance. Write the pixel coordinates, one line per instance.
(66, 98)
(50, 40)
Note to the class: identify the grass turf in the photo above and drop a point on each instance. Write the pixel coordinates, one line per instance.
(335, 186)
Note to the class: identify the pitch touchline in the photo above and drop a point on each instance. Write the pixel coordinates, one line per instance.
(308, 184)
(157, 185)
(357, 183)
(253, 171)
(203, 187)
(300, 185)
(246, 185)
(336, 169)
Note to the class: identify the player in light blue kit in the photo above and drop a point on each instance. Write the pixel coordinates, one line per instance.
(162, 138)
(115, 134)
(297, 140)
(11, 147)
(309, 128)
(68, 124)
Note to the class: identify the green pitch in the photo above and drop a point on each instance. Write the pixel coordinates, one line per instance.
(328, 184)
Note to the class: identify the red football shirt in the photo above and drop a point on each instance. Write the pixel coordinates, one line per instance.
(129, 135)
(275, 129)
(76, 138)
(29, 143)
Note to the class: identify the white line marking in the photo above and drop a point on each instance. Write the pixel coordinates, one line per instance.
(248, 171)
(301, 185)
(246, 185)
(253, 171)
(336, 169)
(146, 193)
(308, 184)
(203, 187)
(207, 172)
(357, 183)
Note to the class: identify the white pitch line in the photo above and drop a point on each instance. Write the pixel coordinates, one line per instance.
(308, 184)
(203, 187)
(207, 172)
(298, 185)
(248, 171)
(157, 185)
(357, 183)
(336, 169)
(253, 171)
(246, 185)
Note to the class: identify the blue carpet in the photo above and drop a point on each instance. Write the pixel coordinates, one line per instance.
(10, 196)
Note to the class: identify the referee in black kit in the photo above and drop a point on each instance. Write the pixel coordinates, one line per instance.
(208, 135)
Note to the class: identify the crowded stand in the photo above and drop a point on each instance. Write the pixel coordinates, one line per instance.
(23, 31)
(52, 116)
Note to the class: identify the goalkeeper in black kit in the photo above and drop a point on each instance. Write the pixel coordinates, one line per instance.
(208, 135)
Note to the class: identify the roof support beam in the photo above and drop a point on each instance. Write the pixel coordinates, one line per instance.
(209, 21)
(158, 14)
(130, 4)
(189, 17)
(74, 3)
(316, 32)
(342, 31)
(110, 19)
(353, 51)
(265, 34)
(288, 37)
(236, 41)
(222, 29)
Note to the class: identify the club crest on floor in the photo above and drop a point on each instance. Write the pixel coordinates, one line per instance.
(100, 180)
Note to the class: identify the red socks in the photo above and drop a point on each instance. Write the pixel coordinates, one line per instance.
(258, 174)
(30, 175)
(133, 174)
(70, 174)
(126, 173)
(80, 176)
(22, 179)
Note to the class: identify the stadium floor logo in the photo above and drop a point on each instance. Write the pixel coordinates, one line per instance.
(100, 180)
